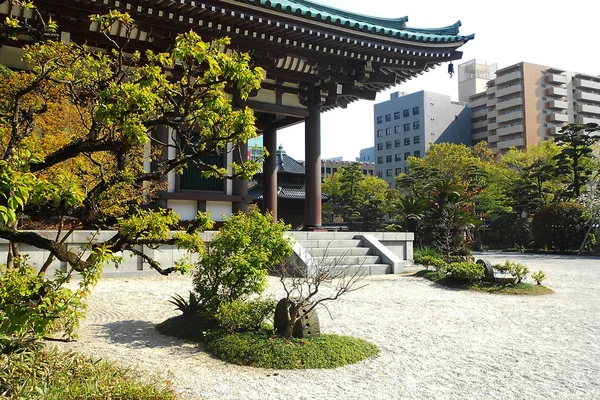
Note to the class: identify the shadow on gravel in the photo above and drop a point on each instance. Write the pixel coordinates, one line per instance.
(138, 334)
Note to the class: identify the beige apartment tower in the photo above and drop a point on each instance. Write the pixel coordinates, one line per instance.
(528, 103)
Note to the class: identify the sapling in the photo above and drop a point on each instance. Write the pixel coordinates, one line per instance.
(538, 277)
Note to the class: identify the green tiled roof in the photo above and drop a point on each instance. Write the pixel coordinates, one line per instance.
(393, 27)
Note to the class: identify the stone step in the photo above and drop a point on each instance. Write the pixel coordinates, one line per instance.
(341, 251)
(347, 260)
(333, 244)
(366, 269)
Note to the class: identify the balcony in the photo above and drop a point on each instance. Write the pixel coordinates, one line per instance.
(555, 130)
(586, 120)
(492, 138)
(492, 126)
(478, 102)
(591, 97)
(558, 117)
(479, 136)
(510, 116)
(556, 78)
(509, 90)
(491, 89)
(556, 92)
(587, 84)
(587, 109)
(479, 113)
(558, 105)
(479, 124)
(507, 144)
(491, 102)
(509, 103)
(507, 78)
(492, 114)
(510, 130)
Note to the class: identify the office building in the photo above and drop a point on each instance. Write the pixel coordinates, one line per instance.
(332, 165)
(407, 124)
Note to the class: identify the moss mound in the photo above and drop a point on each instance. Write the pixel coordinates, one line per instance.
(186, 326)
(262, 349)
(522, 288)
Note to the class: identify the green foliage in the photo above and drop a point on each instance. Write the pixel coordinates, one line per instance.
(424, 250)
(431, 261)
(538, 277)
(261, 349)
(191, 327)
(56, 375)
(30, 304)
(244, 315)
(518, 271)
(560, 226)
(470, 271)
(237, 261)
(192, 306)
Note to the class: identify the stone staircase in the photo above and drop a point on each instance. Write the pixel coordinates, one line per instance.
(346, 250)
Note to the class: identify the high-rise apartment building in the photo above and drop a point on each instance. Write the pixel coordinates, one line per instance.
(406, 125)
(527, 103)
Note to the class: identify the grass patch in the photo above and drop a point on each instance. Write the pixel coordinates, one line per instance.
(53, 375)
(487, 287)
(262, 349)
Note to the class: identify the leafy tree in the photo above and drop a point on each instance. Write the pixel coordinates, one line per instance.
(560, 226)
(573, 161)
(90, 171)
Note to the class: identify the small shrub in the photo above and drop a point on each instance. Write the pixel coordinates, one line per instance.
(470, 271)
(237, 260)
(187, 307)
(429, 261)
(518, 271)
(538, 277)
(30, 304)
(238, 315)
(424, 251)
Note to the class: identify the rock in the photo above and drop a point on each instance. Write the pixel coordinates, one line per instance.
(489, 269)
(307, 326)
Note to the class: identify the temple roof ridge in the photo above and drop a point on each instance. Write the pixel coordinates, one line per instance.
(393, 27)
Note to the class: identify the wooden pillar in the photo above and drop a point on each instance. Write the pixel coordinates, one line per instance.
(240, 186)
(270, 172)
(312, 140)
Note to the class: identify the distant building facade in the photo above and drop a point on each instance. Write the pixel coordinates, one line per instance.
(528, 103)
(331, 166)
(407, 124)
(367, 155)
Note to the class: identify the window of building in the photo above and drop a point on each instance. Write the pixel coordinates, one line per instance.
(388, 145)
(388, 131)
(406, 127)
(416, 139)
(407, 141)
(543, 99)
(397, 129)
(544, 111)
(371, 172)
(379, 146)
(398, 157)
(388, 117)
(322, 170)
(397, 143)
(379, 119)
(417, 153)
(388, 158)
(398, 171)
(364, 172)
(406, 113)
(415, 110)
(388, 172)
(334, 170)
(380, 160)
(328, 170)
(406, 155)
(416, 125)
(379, 132)
(406, 170)
(397, 115)
(380, 174)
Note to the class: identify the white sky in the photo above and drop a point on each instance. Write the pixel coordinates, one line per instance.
(561, 34)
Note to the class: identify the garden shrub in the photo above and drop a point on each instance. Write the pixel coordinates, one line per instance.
(430, 261)
(30, 304)
(518, 271)
(249, 315)
(470, 271)
(236, 262)
(538, 277)
(561, 226)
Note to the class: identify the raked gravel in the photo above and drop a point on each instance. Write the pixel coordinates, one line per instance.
(436, 343)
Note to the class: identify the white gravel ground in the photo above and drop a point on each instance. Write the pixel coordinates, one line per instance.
(435, 343)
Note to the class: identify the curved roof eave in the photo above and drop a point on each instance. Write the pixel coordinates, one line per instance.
(390, 27)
